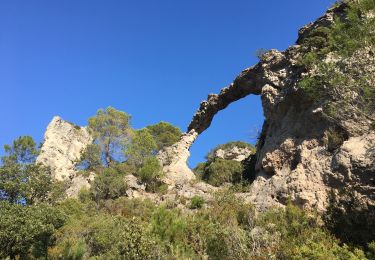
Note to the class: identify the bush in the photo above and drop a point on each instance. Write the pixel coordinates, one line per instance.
(331, 80)
(222, 171)
(27, 230)
(150, 174)
(110, 184)
(197, 202)
(105, 237)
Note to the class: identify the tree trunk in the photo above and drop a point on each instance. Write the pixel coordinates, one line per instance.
(107, 156)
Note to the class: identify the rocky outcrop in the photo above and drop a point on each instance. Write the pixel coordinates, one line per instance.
(236, 154)
(61, 149)
(173, 160)
(294, 157)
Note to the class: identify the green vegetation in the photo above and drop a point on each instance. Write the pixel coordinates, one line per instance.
(109, 184)
(222, 171)
(110, 129)
(104, 224)
(333, 81)
(217, 171)
(164, 134)
(37, 222)
(259, 53)
(118, 150)
(350, 219)
(197, 202)
(20, 177)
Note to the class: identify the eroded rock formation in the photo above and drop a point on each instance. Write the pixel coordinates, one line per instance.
(61, 149)
(292, 159)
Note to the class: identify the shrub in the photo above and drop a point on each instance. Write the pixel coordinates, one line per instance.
(197, 202)
(150, 174)
(330, 80)
(302, 236)
(334, 139)
(221, 171)
(105, 237)
(27, 230)
(110, 184)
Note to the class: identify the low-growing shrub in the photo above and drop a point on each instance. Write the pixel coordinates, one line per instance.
(197, 202)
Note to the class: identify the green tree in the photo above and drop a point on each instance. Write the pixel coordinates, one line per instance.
(110, 129)
(27, 230)
(141, 147)
(164, 134)
(90, 157)
(20, 176)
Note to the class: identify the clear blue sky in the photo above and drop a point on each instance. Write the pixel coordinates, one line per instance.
(156, 60)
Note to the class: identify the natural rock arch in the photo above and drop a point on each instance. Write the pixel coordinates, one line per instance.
(265, 78)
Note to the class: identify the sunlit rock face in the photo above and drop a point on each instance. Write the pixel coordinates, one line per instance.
(292, 159)
(61, 150)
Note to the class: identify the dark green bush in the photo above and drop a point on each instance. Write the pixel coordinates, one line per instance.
(151, 173)
(222, 171)
(27, 230)
(197, 202)
(109, 184)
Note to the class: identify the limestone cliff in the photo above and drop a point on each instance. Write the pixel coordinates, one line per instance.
(303, 151)
(61, 149)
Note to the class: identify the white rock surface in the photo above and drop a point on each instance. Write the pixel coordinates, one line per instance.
(61, 149)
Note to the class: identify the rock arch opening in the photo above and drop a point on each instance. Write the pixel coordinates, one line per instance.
(265, 78)
(240, 121)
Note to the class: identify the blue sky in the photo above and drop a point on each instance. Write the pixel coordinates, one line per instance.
(155, 60)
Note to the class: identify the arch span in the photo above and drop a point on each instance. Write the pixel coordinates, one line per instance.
(268, 76)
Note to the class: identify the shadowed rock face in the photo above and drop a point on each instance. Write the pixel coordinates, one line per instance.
(292, 159)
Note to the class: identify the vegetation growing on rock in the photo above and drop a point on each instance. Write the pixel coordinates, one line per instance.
(105, 223)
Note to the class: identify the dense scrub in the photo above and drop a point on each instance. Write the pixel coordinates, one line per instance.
(135, 229)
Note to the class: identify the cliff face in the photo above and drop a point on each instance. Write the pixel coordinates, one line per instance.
(318, 134)
(61, 149)
(303, 151)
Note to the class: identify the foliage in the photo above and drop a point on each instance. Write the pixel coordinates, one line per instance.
(331, 79)
(302, 237)
(334, 139)
(110, 184)
(105, 237)
(90, 157)
(222, 171)
(141, 147)
(27, 230)
(197, 202)
(164, 134)
(259, 53)
(110, 129)
(20, 177)
(150, 174)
